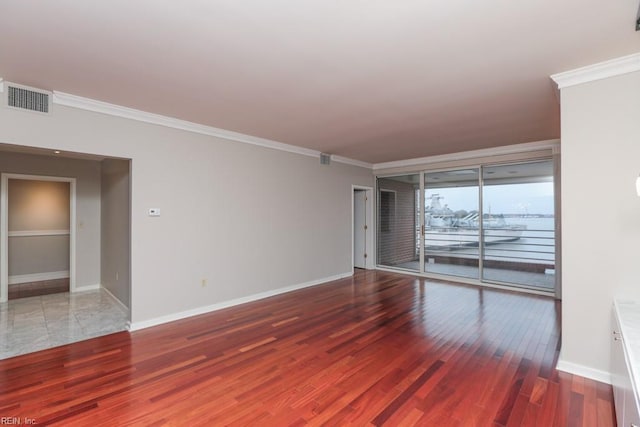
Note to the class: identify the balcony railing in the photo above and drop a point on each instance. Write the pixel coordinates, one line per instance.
(514, 245)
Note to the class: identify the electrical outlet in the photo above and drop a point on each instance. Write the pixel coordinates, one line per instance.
(117, 276)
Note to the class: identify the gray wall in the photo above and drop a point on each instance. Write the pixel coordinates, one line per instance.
(115, 235)
(246, 219)
(37, 255)
(87, 174)
(600, 214)
(38, 207)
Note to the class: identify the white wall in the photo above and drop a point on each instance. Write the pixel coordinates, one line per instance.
(245, 218)
(600, 214)
(115, 225)
(87, 174)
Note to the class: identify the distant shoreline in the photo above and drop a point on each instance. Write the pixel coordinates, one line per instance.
(525, 215)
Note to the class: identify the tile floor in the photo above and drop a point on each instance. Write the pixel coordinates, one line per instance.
(35, 323)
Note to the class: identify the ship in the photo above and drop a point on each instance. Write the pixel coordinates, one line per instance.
(446, 229)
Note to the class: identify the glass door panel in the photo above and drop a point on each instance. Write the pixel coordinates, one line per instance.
(398, 222)
(451, 221)
(518, 225)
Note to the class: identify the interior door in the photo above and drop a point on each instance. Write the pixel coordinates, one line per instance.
(359, 228)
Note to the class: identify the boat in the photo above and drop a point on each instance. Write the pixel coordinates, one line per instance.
(446, 229)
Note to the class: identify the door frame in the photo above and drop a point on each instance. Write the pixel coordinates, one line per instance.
(369, 248)
(4, 228)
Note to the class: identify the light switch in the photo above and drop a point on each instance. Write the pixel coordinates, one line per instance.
(154, 212)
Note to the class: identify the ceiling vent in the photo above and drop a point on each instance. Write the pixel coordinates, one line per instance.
(26, 98)
(325, 159)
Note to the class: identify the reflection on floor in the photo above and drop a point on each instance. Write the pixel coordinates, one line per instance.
(541, 281)
(32, 289)
(36, 323)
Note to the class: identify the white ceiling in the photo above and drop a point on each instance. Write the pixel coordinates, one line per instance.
(373, 80)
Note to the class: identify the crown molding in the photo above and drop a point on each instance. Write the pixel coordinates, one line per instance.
(601, 70)
(353, 162)
(473, 154)
(74, 101)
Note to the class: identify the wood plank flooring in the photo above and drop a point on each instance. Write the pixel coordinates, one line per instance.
(375, 349)
(32, 289)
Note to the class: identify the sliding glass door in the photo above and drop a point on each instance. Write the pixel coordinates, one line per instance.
(491, 223)
(518, 218)
(451, 232)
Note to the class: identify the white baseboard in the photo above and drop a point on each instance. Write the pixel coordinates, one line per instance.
(134, 326)
(38, 277)
(117, 300)
(87, 288)
(584, 371)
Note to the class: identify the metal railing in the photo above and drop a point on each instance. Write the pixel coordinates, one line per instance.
(518, 245)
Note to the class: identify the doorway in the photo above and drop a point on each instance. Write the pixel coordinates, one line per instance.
(38, 242)
(362, 231)
(98, 300)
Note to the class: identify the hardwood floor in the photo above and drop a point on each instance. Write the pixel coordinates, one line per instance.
(32, 289)
(375, 349)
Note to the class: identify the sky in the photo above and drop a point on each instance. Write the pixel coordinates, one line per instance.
(522, 199)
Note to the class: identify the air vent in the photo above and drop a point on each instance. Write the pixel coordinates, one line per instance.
(28, 99)
(325, 159)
